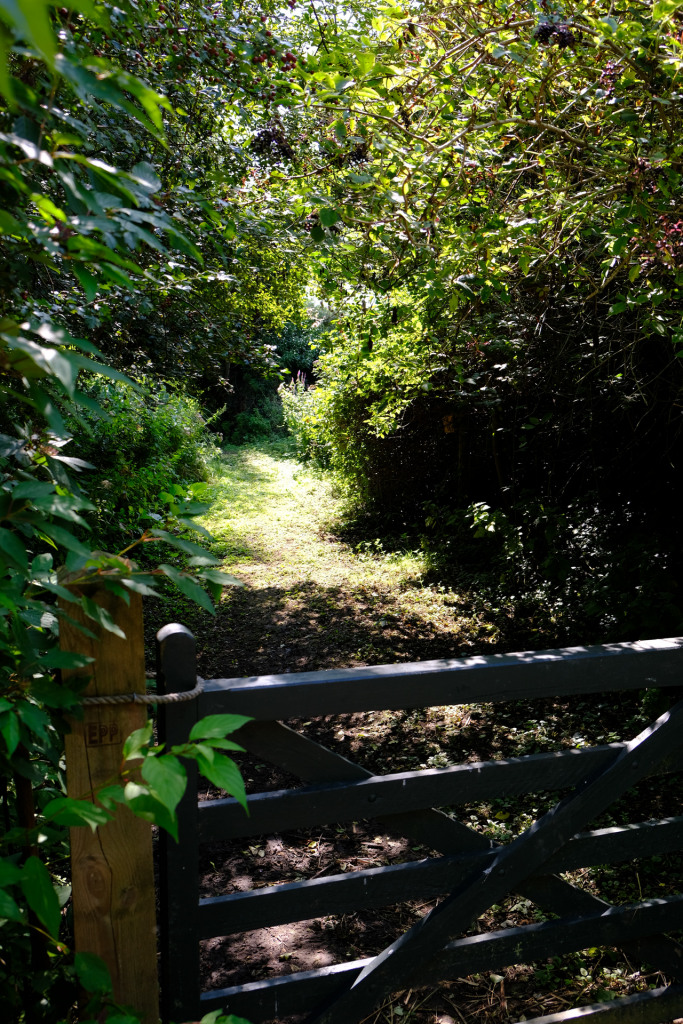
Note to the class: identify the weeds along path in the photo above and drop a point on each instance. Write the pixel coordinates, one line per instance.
(312, 601)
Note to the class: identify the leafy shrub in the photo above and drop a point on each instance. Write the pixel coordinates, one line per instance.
(596, 575)
(151, 439)
(255, 408)
(252, 426)
(297, 347)
(302, 408)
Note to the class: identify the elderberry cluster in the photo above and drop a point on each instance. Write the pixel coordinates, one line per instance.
(561, 34)
(544, 32)
(272, 142)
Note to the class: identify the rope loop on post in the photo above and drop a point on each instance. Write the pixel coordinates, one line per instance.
(148, 698)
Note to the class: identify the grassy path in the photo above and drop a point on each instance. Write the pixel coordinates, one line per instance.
(311, 600)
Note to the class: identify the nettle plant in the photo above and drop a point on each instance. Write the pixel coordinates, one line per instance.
(43, 532)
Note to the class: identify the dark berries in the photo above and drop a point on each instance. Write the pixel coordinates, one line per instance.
(564, 37)
(544, 32)
(560, 34)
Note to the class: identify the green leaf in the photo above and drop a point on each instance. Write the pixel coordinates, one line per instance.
(222, 744)
(87, 281)
(10, 874)
(139, 588)
(145, 174)
(341, 84)
(186, 585)
(93, 973)
(218, 576)
(317, 234)
(166, 777)
(9, 225)
(64, 810)
(64, 537)
(366, 62)
(60, 336)
(217, 1017)
(33, 360)
(107, 371)
(217, 726)
(63, 894)
(110, 796)
(185, 545)
(328, 216)
(203, 560)
(9, 908)
(224, 774)
(9, 727)
(59, 591)
(32, 22)
(665, 7)
(64, 659)
(148, 807)
(99, 614)
(211, 1018)
(13, 551)
(137, 741)
(36, 885)
(197, 527)
(54, 695)
(32, 489)
(179, 241)
(33, 718)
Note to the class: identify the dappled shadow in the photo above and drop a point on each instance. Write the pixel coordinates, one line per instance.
(272, 630)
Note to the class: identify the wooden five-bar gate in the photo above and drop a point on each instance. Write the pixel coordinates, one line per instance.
(474, 871)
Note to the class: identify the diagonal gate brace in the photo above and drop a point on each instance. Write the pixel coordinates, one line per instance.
(403, 959)
(310, 761)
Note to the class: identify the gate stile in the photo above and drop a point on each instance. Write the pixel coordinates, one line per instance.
(475, 871)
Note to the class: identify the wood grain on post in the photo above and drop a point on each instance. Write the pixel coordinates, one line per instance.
(112, 870)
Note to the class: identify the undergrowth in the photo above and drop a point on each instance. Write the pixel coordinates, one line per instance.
(152, 438)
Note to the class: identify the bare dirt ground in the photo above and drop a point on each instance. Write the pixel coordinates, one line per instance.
(311, 601)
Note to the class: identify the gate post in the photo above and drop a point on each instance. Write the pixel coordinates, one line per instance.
(112, 869)
(179, 862)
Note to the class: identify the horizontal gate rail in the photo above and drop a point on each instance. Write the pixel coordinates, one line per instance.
(426, 879)
(471, 867)
(494, 677)
(643, 1008)
(281, 809)
(301, 992)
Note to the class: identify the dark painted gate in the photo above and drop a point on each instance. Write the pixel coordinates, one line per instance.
(475, 871)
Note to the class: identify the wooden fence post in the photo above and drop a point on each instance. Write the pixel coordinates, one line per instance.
(179, 862)
(112, 869)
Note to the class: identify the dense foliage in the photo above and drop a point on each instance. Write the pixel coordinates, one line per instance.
(487, 195)
(510, 310)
